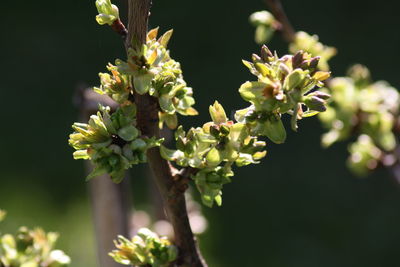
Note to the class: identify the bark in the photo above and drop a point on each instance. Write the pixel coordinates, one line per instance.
(170, 185)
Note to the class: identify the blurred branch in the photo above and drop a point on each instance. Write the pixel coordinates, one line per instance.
(167, 183)
(110, 202)
(286, 28)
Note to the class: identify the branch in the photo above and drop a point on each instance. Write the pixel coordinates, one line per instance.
(277, 10)
(147, 118)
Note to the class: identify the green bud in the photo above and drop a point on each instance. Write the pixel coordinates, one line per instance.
(138, 144)
(108, 13)
(262, 17)
(213, 157)
(217, 113)
(128, 133)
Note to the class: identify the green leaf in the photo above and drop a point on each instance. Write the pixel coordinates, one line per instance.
(142, 83)
(274, 130)
(310, 113)
(252, 90)
(165, 38)
(166, 104)
(128, 133)
(262, 69)
(294, 79)
(170, 154)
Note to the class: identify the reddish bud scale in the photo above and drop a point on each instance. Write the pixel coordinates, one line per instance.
(119, 28)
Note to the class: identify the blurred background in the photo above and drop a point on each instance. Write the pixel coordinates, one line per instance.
(300, 207)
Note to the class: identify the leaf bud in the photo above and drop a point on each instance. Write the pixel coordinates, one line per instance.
(108, 13)
(297, 59)
(265, 53)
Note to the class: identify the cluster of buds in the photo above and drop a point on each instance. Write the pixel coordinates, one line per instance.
(154, 72)
(219, 142)
(145, 249)
(310, 44)
(284, 85)
(359, 106)
(31, 248)
(115, 85)
(209, 182)
(265, 24)
(111, 142)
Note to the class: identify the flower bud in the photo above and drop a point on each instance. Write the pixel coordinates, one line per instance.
(266, 53)
(108, 13)
(217, 113)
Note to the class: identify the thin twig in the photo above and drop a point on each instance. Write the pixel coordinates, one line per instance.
(147, 119)
(277, 10)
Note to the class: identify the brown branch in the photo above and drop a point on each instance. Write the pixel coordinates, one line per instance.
(147, 118)
(286, 28)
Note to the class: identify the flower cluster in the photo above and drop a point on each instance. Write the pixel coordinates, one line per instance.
(154, 72)
(145, 249)
(309, 43)
(31, 248)
(265, 24)
(219, 142)
(111, 142)
(284, 85)
(359, 106)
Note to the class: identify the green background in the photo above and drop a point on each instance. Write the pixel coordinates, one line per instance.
(300, 207)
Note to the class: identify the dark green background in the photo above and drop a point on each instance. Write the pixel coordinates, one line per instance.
(300, 207)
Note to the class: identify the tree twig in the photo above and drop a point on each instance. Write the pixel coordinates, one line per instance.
(147, 119)
(277, 10)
